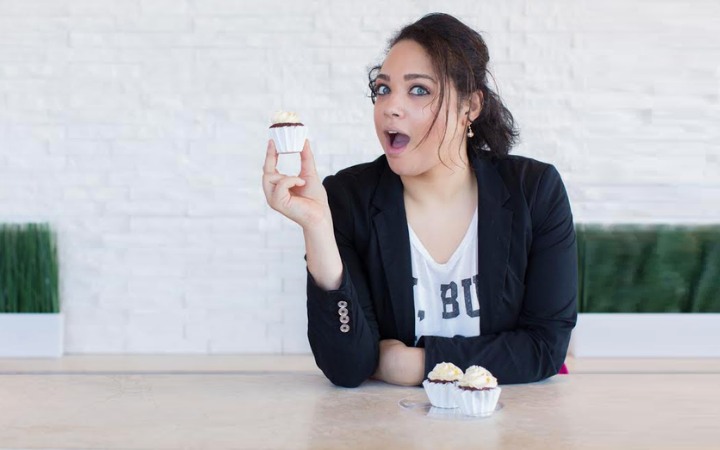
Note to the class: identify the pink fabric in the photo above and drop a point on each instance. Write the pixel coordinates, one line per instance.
(563, 370)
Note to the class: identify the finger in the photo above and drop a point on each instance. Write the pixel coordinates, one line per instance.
(270, 158)
(270, 180)
(282, 189)
(307, 160)
(273, 178)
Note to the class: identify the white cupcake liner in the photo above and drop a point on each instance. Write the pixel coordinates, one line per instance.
(289, 139)
(477, 403)
(441, 394)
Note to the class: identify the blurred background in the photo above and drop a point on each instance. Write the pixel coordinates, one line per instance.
(137, 129)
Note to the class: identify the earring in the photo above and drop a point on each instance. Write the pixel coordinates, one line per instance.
(470, 132)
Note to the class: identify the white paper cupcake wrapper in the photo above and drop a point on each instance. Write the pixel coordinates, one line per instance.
(477, 403)
(289, 139)
(440, 394)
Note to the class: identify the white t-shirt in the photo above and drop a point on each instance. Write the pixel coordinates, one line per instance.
(446, 299)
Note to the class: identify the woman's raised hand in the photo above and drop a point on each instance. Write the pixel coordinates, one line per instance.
(303, 198)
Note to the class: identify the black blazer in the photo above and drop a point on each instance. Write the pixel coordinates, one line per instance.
(527, 267)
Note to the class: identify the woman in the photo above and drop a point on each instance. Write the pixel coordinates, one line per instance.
(412, 262)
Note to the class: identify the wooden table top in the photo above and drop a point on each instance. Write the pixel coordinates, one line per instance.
(272, 401)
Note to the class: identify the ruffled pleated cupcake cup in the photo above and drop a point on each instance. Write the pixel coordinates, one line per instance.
(289, 138)
(441, 394)
(477, 403)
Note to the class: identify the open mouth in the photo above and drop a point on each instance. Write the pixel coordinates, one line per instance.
(397, 140)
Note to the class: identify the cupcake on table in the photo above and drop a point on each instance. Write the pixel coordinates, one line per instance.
(440, 384)
(477, 393)
(287, 132)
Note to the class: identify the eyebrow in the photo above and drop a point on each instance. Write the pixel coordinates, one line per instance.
(408, 76)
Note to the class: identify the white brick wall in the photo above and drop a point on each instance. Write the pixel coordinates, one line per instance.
(138, 129)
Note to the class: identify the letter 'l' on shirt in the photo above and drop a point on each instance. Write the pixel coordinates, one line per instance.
(446, 295)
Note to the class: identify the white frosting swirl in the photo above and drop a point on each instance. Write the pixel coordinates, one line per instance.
(285, 117)
(445, 372)
(478, 378)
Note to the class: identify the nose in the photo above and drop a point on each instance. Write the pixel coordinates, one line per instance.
(393, 112)
(393, 109)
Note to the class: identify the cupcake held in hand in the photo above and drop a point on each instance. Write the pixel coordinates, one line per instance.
(287, 132)
(441, 383)
(477, 393)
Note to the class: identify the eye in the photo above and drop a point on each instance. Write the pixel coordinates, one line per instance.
(379, 90)
(418, 86)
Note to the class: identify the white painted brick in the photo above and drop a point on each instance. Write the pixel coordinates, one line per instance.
(293, 266)
(295, 312)
(214, 269)
(232, 323)
(160, 332)
(45, 8)
(72, 177)
(94, 330)
(10, 54)
(55, 24)
(71, 194)
(165, 7)
(111, 8)
(292, 238)
(230, 291)
(140, 301)
(246, 241)
(145, 240)
(181, 129)
(271, 257)
(155, 56)
(295, 283)
(223, 8)
(154, 24)
(245, 340)
(139, 128)
(46, 41)
(102, 131)
(110, 162)
(96, 225)
(124, 208)
(80, 55)
(239, 207)
(32, 131)
(94, 148)
(294, 337)
(40, 163)
(87, 70)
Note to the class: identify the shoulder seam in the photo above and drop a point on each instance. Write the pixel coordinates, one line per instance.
(540, 180)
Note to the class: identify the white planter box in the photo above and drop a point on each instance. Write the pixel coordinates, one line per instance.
(27, 335)
(646, 335)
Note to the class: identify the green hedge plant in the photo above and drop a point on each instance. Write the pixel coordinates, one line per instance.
(648, 269)
(28, 269)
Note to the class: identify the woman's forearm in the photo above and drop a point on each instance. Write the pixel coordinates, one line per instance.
(323, 257)
(399, 364)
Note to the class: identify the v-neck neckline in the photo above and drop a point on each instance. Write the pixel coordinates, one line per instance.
(415, 240)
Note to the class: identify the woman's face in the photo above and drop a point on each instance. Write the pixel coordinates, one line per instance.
(409, 105)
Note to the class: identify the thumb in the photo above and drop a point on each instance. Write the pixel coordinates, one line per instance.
(307, 160)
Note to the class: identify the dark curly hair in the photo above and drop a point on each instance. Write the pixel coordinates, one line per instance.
(460, 53)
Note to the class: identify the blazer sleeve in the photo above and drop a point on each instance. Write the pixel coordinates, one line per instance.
(536, 349)
(346, 358)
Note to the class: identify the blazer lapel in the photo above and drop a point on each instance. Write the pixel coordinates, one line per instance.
(494, 236)
(394, 240)
(494, 231)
